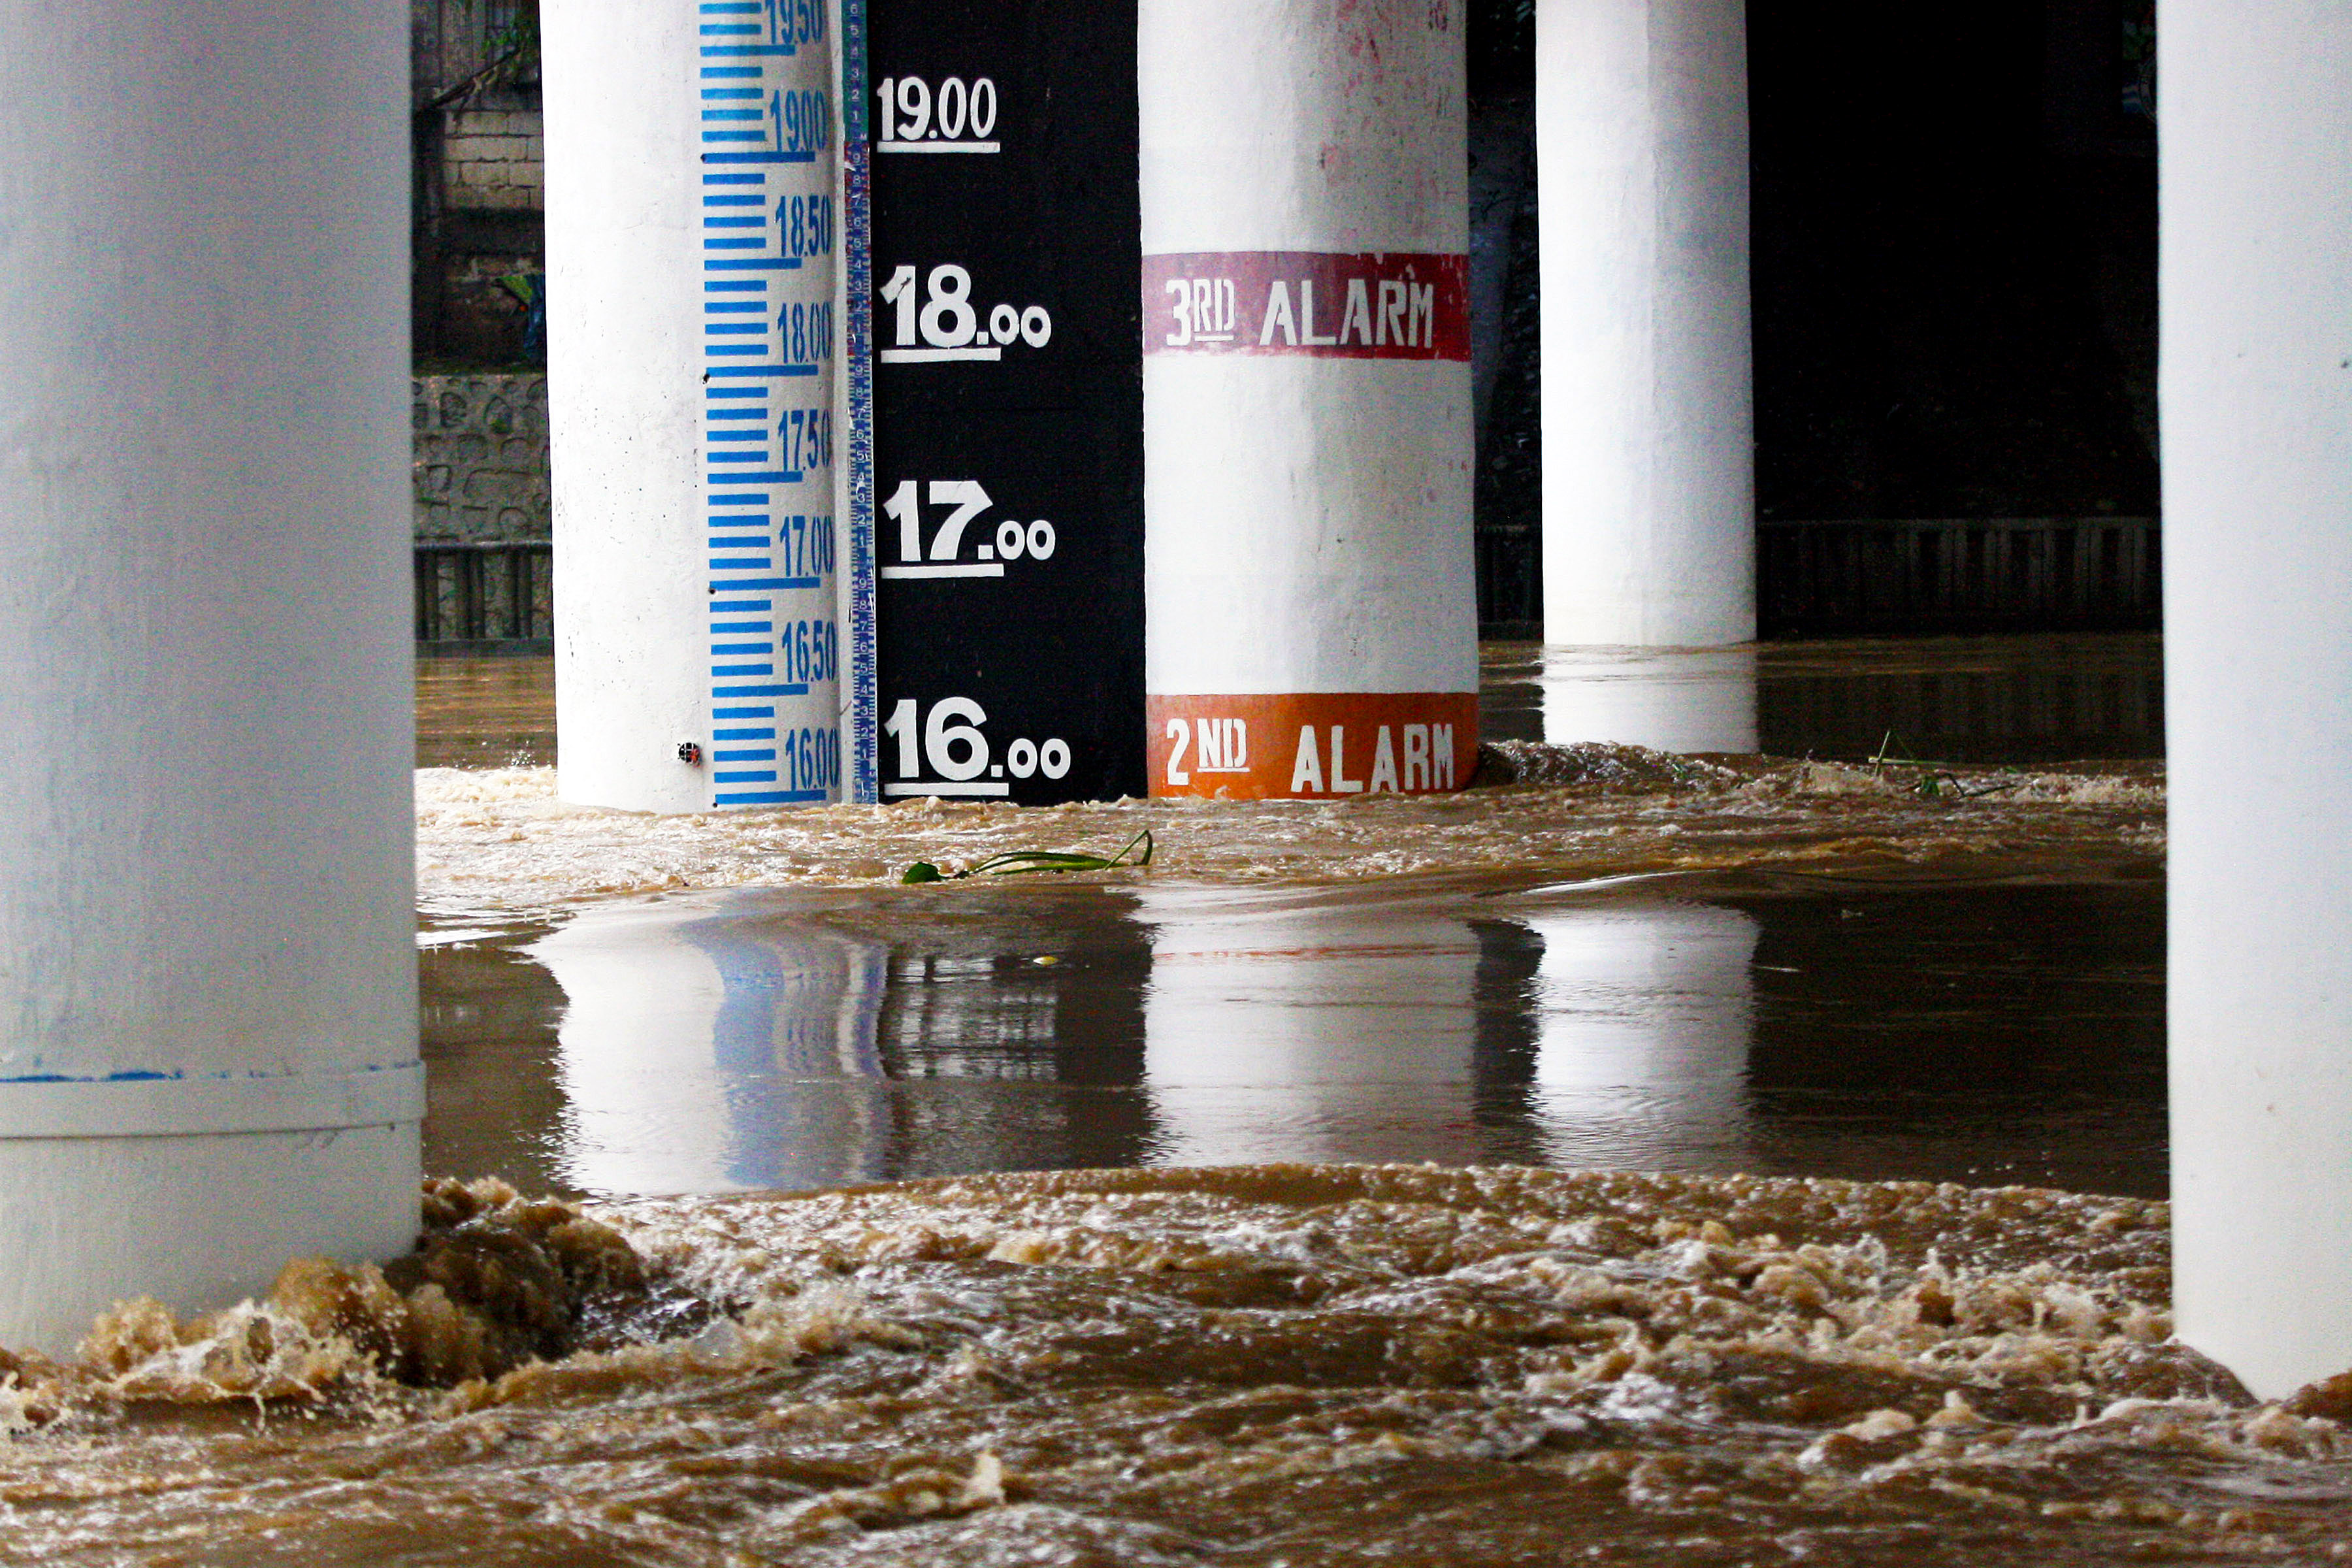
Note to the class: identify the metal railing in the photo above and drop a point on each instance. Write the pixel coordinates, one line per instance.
(1901, 576)
(2045, 573)
(486, 598)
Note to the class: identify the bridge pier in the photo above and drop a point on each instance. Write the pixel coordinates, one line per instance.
(2255, 137)
(1649, 507)
(1310, 596)
(209, 1062)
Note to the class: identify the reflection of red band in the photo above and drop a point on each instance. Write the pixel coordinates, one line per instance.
(1314, 746)
(1394, 305)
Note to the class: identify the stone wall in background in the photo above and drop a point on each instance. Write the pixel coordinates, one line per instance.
(493, 159)
(480, 457)
(477, 157)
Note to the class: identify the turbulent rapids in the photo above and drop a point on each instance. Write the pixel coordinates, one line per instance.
(1260, 1365)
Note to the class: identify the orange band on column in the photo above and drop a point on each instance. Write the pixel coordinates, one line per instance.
(1312, 745)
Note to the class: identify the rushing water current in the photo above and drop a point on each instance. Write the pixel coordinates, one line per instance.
(1262, 1365)
(1780, 1029)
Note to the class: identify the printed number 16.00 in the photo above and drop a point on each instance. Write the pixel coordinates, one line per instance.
(952, 744)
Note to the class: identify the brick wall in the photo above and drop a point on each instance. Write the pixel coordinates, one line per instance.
(480, 457)
(491, 160)
(474, 105)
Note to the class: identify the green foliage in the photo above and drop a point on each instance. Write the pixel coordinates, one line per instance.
(1015, 861)
(1936, 780)
(516, 40)
(511, 44)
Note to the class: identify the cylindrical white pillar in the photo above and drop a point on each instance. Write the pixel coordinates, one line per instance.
(693, 332)
(2256, 171)
(1671, 699)
(209, 1061)
(1649, 500)
(1312, 617)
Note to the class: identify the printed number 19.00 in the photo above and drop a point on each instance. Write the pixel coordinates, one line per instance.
(907, 104)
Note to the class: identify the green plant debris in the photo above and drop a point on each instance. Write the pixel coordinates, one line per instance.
(1012, 862)
(1936, 780)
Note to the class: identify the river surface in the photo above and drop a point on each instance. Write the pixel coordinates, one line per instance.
(1257, 1365)
(1642, 1159)
(1878, 1025)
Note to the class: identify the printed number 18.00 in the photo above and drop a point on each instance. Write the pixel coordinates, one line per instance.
(950, 321)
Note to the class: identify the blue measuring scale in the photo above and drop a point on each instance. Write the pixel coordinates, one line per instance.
(768, 240)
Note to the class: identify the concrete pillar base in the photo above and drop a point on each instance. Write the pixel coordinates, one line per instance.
(197, 1222)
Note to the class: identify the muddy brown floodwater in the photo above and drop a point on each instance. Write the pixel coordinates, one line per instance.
(1989, 1031)
(2043, 698)
(1262, 1365)
(486, 712)
(1782, 1031)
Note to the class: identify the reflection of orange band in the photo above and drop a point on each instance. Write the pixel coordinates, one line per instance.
(1312, 745)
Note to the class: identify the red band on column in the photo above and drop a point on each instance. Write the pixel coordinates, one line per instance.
(1312, 745)
(1380, 305)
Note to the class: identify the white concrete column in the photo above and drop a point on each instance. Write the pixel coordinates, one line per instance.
(2255, 132)
(693, 231)
(1670, 699)
(1312, 617)
(208, 1059)
(1649, 535)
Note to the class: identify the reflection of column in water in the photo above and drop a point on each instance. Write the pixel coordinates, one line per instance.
(1644, 1020)
(961, 1015)
(795, 1042)
(705, 1053)
(1674, 699)
(1308, 1033)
